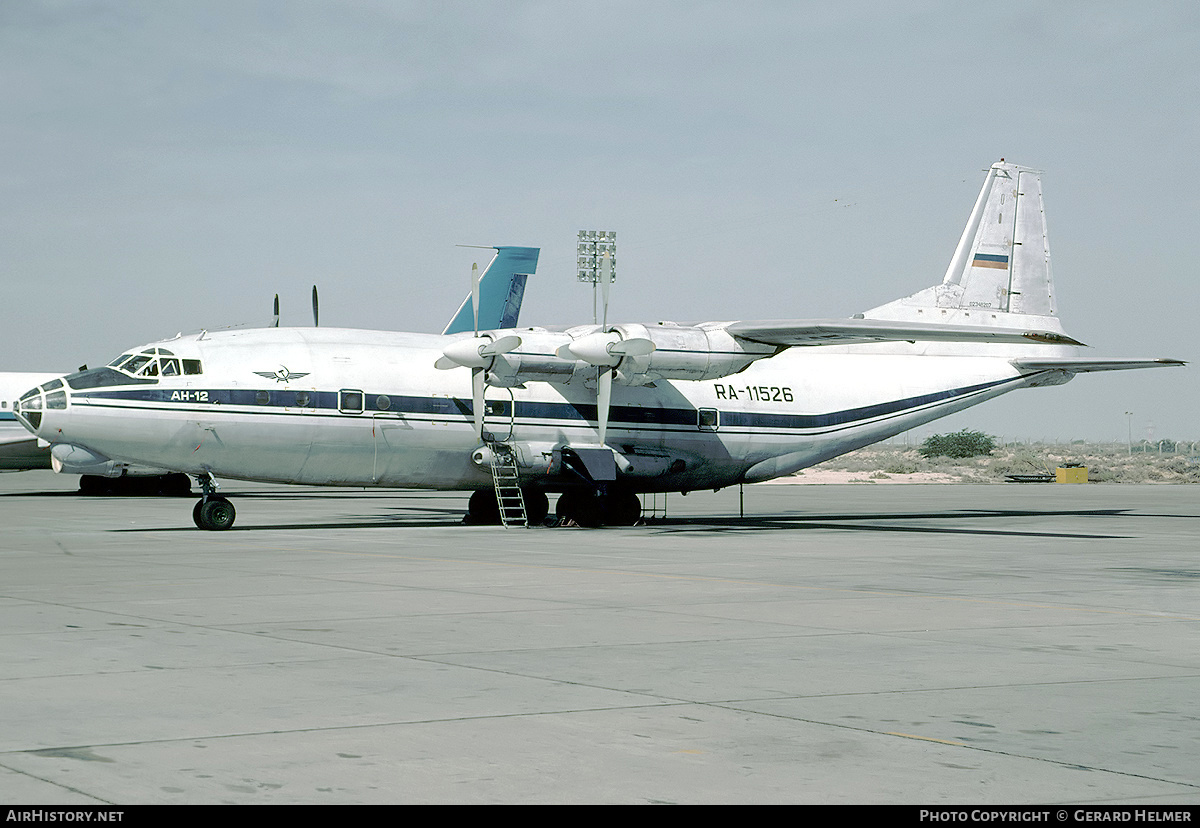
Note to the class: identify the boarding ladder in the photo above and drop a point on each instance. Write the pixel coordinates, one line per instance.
(508, 488)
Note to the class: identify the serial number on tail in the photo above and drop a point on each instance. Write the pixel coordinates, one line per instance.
(756, 393)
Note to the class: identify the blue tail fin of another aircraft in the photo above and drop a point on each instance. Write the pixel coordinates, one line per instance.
(501, 289)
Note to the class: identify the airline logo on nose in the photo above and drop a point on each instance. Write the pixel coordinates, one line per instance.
(282, 375)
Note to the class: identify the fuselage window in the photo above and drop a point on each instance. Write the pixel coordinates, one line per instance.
(350, 402)
(262, 397)
(192, 366)
(302, 399)
(708, 419)
(383, 402)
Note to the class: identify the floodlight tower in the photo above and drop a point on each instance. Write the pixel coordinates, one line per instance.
(593, 244)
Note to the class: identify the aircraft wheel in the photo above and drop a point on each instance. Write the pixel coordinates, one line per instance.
(585, 507)
(92, 484)
(564, 509)
(537, 506)
(216, 513)
(483, 510)
(624, 508)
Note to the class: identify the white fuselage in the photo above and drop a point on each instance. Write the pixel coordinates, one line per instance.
(368, 408)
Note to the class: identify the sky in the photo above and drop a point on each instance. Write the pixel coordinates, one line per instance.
(172, 166)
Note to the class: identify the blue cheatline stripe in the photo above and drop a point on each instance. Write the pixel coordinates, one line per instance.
(327, 401)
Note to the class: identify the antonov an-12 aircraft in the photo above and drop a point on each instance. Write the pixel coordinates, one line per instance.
(598, 413)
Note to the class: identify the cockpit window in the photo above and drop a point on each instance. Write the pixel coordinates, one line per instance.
(103, 377)
(134, 364)
(154, 362)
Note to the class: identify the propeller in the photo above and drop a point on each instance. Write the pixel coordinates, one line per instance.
(275, 323)
(316, 317)
(605, 350)
(477, 353)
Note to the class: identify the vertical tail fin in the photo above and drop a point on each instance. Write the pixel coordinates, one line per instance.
(1000, 270)
(501, 290)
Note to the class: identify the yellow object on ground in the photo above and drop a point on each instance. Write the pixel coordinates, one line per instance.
(1070, 474)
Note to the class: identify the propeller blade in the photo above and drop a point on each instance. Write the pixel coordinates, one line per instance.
(632, 347)
(316, 315)
(475, 294)
(501, 346)
(603, 398)
(478, 375)
(275, 324)
(606, 273)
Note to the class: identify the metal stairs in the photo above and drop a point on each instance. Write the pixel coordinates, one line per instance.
(508, 488)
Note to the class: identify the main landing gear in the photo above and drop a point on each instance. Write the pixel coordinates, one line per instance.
(212, 511)
(588, 507)
(603, 506)
(484, 510)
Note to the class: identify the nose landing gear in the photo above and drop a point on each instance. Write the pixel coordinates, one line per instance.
(212, 512)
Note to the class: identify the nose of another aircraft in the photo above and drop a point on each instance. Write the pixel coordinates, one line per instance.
(33, 406)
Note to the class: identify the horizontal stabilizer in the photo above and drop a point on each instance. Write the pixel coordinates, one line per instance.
(1082, 366)
(851, 331)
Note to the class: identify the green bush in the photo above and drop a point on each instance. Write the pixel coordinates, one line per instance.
(959, 444)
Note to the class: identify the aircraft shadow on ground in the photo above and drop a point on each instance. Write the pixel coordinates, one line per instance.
(429, 517)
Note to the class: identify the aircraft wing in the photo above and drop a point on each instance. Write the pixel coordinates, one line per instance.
(1081, 366)
(15, 436)
(802, 332)
(19, 450)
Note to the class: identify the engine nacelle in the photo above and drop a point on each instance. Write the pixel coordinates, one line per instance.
(678, 352)
(686, 353)
(537, 361)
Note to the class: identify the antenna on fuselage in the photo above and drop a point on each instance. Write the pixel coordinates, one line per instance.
(316, 314)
